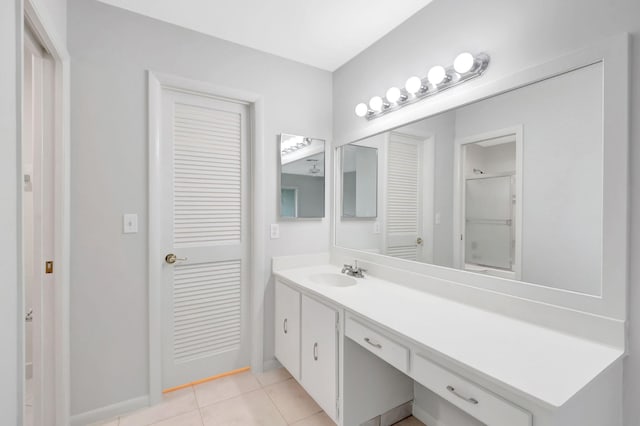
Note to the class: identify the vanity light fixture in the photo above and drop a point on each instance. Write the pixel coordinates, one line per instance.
(465, 67)
(294, 145)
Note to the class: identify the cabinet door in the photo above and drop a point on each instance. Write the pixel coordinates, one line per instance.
(287, 324)
(319, 354)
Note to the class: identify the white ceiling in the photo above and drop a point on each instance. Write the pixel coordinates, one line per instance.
(321, 33)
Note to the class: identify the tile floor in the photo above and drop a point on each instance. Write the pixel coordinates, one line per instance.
(269, 399)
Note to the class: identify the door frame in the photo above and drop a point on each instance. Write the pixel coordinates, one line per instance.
(459, 193)
(156, 83)
(43, 30)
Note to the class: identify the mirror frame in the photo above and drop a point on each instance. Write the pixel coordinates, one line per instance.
(339, 156)
(613, 53)
(280, 218)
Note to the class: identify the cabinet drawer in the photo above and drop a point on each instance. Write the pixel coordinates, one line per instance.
(475, 400)
(390, 351)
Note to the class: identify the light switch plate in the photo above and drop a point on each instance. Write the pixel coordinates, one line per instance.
(275, 231)
(130, 223)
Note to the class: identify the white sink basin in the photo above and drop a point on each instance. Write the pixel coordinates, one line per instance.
(333, 279)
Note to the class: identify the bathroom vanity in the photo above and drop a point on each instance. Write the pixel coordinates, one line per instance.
(493, 227)
(358, 344)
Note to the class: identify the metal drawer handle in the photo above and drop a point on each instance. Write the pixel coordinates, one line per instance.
(315, 351)
(469, 400)
(373, 343)
(284, 326)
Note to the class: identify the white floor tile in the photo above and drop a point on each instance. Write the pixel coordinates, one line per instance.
(273, 376)
(251, 409)
(227, 387)
(192, 418)
(173, 404)
(320, 419)
(292, 401)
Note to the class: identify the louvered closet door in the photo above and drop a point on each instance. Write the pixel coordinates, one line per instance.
(403, 225)
(205, 219)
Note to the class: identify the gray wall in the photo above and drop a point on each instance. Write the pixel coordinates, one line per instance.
(111, 49)
(10, 354)
(538, 30)
(311, 191)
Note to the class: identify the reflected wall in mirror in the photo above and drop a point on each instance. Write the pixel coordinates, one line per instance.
(359, 176)
(302, 177)
(511, 186)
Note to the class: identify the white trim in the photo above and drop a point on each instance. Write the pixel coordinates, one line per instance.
(156, 82)
(109, 411)
(459, 203)
(43, 29)
(613, 53)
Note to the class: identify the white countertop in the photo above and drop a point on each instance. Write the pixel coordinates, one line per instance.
(531, 360)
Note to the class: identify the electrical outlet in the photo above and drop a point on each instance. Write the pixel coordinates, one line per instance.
(376, 227)
(275, 231)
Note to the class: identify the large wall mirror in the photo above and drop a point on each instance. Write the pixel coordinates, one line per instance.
(359, 174)
(302, 177)
(510, 186)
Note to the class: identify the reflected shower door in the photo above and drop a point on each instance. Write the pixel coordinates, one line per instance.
(489, 231)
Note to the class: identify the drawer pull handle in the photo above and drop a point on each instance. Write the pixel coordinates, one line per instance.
(373, 343)
(315, 351)
(469, 400)
(284, 326)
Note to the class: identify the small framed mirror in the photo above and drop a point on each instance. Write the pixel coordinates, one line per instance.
(359, 175)
(302, 177)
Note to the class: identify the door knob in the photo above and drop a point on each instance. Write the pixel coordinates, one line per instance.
(172, 258)
(419, 241)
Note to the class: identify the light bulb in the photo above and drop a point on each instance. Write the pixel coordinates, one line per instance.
(464, 63)
(376, 103)
(362, 109)
(413, 85)
(393, 95)
(436, 75)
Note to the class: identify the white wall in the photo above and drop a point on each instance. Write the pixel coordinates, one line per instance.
(10, 354)
(111, 49)
(54, 14)
(517, 35)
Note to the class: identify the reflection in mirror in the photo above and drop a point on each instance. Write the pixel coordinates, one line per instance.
(359, 181)
(511, 186)
(489, 204)
(302, 177)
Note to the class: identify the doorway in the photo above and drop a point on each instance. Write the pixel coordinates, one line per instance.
(489, 197)
(203, 268)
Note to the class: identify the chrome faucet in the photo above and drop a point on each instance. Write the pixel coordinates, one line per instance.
(353, 271)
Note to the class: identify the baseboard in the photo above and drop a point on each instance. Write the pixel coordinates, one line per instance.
(425, 417)
(110, 411)
(271, 364)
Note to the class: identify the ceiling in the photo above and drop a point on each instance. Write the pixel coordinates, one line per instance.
(321, 33)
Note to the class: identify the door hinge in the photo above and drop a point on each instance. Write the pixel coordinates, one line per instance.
(48, 267)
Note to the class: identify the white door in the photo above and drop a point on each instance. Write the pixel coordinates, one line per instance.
(287, 328)
(205, 212)
(319, 354)
(403, 197)
(38, 230)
